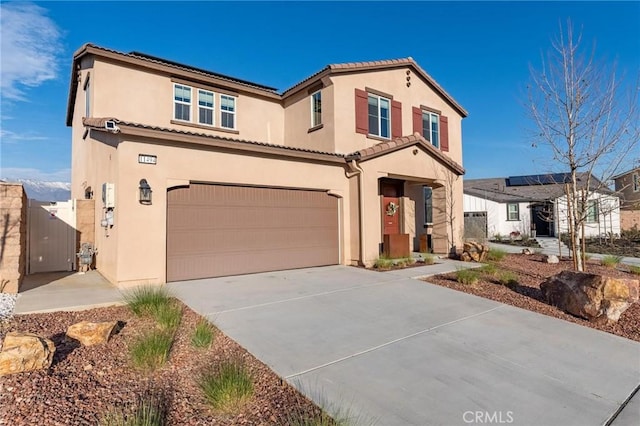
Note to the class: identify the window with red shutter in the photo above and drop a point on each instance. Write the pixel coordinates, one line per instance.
(362, 119)
(444, 133)
(417, 120)
(396, 119)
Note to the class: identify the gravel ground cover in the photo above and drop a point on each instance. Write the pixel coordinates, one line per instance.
(85, 383)
(530, 271)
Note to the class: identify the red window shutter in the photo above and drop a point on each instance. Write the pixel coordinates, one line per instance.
(417, 120)
(444, 133)
(362, 114)
(396, 119)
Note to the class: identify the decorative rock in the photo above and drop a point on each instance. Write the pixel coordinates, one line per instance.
(590, 296)
(473, 251)
(91, 333)
(25, 352)
(526, 251)
(551, 258)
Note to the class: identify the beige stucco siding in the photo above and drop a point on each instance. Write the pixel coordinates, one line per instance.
(142, 255)
(297, 119)
(147, 97)
(392, 82)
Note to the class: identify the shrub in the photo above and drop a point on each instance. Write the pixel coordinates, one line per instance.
(146, 299)
(467, 276)
(203, 334)
(150, 410)
(635, 270)
(315, 419)
(168, 315)
(151, 351)
(383, 263)
(508, 279)
(429, 259)
(227, 387)
(496, 255)
(611, 261)
(489, 269)
(497, 237)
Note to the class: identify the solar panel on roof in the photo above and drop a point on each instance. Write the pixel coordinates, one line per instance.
(548, 179)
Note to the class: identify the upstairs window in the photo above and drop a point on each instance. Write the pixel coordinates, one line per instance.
(228, 111)
(87, 98)
(205, 107)
(431, 128)
(379, 116)
(513, 211)
(182, 102)
(636, 182)
(316, 109)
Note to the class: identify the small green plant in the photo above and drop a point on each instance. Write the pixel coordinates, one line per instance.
(497, 237)
(315, 419)
(150, 410)
(496, 255)
(467, 276)
(383, 262)
(489, 269)
(150, 351)
(611, 261)
(508, 279)
(428, 258)
(227, 386)
(203, 334)
(146, 299)
(635, 270)
(168, 315)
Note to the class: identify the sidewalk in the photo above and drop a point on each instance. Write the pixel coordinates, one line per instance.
(518, 249)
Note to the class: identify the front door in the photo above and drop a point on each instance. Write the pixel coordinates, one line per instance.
(542, 217)
(391, 215)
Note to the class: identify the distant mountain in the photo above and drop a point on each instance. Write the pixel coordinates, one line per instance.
(44, 191)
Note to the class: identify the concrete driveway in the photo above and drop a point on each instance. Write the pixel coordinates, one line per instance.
(392, 350)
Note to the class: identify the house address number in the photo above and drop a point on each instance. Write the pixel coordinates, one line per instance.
(147, 159)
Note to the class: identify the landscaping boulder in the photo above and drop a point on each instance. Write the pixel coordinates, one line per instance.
(91, 333)
(25, 352)
(527, 251)
(551, 258)
(590, 296)
(473, 251)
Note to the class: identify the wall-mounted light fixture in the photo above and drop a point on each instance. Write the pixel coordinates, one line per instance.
(145, 192)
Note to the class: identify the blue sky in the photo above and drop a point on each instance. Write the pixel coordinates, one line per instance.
(480, 52)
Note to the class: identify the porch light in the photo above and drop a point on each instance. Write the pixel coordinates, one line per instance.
(145, 192)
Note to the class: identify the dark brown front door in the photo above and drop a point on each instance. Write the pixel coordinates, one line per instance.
(391, 215)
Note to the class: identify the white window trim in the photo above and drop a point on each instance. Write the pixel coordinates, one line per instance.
(516, 212)
(182, 102)
(211, 108)
(313, 123)
(222, 111)
(379, 135)
(431, 116)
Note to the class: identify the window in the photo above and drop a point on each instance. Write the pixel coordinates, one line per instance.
(428, 204)
(592, 211)
(379, 116)
(513, 211)
(431, 128)
(228, 111)
(87, 98)
(316, 109)
(636, 182)
(182, 102)
(205, 107)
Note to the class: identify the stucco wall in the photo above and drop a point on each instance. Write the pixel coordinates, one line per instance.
(13, 236)
(297, 122)
(146, 97)
(392, 82)
(497, 223)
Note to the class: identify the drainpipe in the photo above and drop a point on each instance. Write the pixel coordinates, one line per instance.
(357, 170)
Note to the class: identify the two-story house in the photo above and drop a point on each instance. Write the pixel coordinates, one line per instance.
(627, 184)
(196, 174)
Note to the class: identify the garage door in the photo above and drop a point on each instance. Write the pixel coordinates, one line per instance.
(219, 230)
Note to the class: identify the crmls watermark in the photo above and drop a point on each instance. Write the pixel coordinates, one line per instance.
(488, 417)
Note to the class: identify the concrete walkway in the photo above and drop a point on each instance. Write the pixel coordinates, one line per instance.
(393, 350)
(65, 291)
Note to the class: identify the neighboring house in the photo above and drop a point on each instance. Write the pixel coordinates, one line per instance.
(535, 205)
(197, 174)
(628, 186)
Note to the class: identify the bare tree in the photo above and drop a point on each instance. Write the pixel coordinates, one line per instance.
(587, 117)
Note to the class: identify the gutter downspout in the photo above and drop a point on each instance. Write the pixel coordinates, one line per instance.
(357, 170)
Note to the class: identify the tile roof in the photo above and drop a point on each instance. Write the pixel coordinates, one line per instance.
(500, 190)
(98, 123)
(403, 142)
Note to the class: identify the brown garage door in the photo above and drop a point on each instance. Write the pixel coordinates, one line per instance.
(219, 230)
